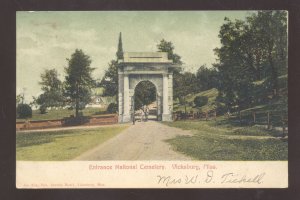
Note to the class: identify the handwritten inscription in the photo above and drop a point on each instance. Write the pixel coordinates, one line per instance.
(236, 178)
(209, 177)
(171, 180)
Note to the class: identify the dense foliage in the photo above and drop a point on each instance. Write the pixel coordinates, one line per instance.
(200, 101)
(112, 108)
(167, 46)
(251, 68)
(252, 51)
(110, 80)
(24, 111)
(52, 95)
(144, 94)
(207, 78)
(79, 81)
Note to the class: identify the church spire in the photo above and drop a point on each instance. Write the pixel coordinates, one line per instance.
(120, 48)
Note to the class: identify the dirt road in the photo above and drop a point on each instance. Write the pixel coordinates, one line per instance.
(142, 141)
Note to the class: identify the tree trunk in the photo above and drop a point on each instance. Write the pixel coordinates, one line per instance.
(258, 73)
(274, 74)
(185, 115)
(77, 101)
(274, 78)
(76, 108)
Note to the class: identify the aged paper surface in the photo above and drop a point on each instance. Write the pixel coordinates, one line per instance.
(152, 174)
(180, 99)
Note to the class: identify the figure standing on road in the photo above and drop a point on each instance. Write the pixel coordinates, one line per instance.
(142, 115)
(133, 118)
(146, 113)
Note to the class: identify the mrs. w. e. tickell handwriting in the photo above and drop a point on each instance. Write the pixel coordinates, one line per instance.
(209, 178)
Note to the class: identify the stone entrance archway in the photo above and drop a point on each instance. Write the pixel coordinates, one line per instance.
(154, 67)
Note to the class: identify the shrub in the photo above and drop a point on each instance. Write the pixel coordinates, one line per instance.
(112, 108)
(73, 121)
(24, 111)
(200, 101)
(221, 109)
(43, 109)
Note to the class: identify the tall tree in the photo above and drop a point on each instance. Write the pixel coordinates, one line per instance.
(269, 36)
(120, 48)
(51, 86)
(110, 80)
(252, 50)
(78, 81)
(167, 46)
(206, 78)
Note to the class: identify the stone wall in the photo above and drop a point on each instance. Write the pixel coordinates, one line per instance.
(43, 124)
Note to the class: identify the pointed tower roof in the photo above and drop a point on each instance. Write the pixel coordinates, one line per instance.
(120, 48)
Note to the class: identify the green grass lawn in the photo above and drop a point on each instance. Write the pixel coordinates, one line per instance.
(219, 141)
(61, 113)
(63, 144)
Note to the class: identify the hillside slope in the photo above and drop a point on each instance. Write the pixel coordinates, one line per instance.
(278, 104)
(190, 106)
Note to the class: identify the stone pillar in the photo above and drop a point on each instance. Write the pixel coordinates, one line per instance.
(166, 113)
(120, 97)
(171, 95)
(158, 100)
(126, 104)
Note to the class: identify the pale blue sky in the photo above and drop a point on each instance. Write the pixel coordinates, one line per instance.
(46, 39)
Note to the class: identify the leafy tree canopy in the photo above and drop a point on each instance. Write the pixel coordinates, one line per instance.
(165, 46)
(51, 86)
(112, 108)
(144, 94)
(206, 78)
(79, 81)
(24, 111)
(200, 101)
(251, 50)
(110, 80)
(19, 99)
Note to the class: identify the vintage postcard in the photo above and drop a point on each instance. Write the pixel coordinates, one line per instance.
(152, 99)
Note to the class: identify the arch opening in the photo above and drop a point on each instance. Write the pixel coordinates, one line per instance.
(144, 103)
